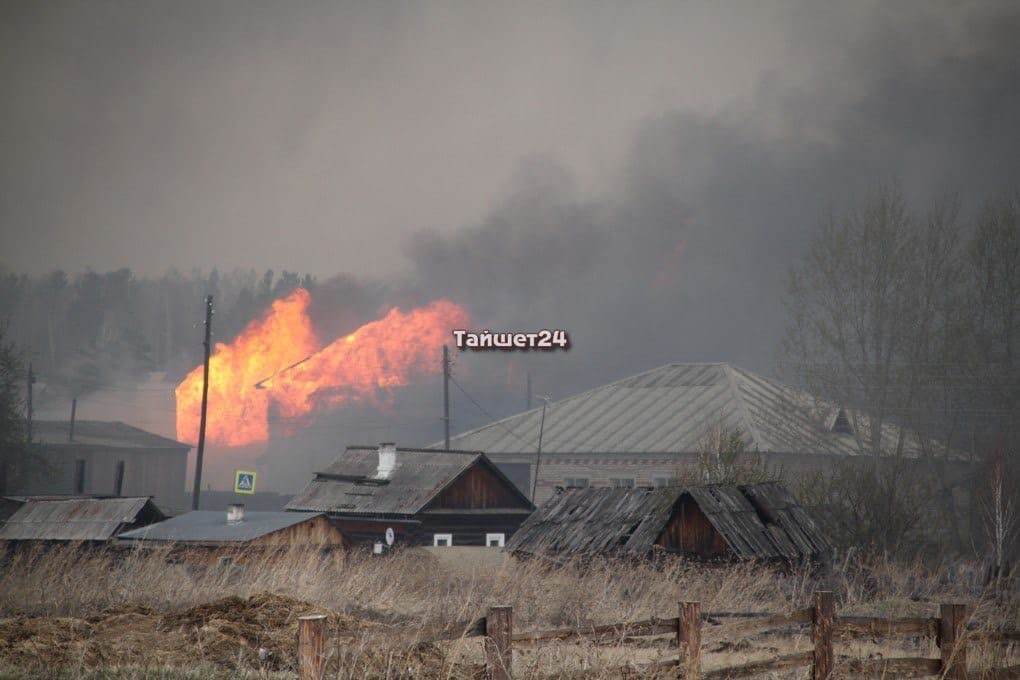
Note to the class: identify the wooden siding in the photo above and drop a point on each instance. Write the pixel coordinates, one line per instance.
(318, 532)
(689, 531)
(478, 488)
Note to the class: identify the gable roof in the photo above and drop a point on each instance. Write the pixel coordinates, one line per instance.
(201, 526)
(669, 409)
(108, 434)
(759, 521)
(346, 487)
(77, 519)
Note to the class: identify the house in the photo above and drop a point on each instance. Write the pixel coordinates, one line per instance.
(238, 529)
(78, 519)
(642, 430)
(759, 521)
(425, 496)
(105, 458)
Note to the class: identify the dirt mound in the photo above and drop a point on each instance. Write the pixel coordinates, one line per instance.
(258, 632)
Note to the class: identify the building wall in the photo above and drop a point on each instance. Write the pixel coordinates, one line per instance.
(600, 470)
(689, 531)
(318, 532)
(147, 472)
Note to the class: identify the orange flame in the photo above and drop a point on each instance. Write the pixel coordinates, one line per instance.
(278, 361)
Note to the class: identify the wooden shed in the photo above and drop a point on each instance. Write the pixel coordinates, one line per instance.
(425, 496)
(758, 521)
(237, 528)
(77, 519)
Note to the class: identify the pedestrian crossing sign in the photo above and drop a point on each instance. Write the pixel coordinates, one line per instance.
(244, 481)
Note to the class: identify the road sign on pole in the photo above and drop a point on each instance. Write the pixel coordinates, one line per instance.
(244, 481)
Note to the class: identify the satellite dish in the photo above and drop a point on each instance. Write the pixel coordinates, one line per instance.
(389, 536)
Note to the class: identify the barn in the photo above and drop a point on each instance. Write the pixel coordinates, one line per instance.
(78, 519)
(238, 530)
(718, 521)
(425, 496)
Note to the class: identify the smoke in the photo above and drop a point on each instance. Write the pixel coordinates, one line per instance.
(685, 257)
(667, 162)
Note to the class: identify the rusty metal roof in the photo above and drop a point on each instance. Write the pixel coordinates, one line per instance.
(108, 434)
(669, 409)
(78, 519)
(759, 521)
(347, 487)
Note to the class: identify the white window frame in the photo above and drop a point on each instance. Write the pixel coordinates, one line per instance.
(499, 538)
(436, 538)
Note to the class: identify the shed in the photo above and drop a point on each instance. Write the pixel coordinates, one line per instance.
(216, 529)
(719, 521)
(426, 496)
(78, 519)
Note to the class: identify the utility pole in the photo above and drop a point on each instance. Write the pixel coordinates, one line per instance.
(74, 410)
(529, 391)
(446, 397)
(28, 405)
(538, 456)
(196, 490)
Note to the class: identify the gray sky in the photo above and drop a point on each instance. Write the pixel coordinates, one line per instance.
(316, 135)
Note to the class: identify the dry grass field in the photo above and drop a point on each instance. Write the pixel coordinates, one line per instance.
(104, 614)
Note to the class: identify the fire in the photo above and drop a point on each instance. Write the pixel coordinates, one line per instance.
(278, 363)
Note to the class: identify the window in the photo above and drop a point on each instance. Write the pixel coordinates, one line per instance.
(575, 483)
(442, 540)
(495, 540)
(622, 483)
(663, 481)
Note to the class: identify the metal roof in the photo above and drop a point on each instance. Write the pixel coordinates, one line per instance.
(669, 409)
(346, 487)
(77, 519)
(759, 521)
(202, 526)
(108, 434)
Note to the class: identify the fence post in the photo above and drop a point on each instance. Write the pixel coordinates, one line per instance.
(952, 641)
(822, 617)
(311, 647)
(499, 634)
(688, 638)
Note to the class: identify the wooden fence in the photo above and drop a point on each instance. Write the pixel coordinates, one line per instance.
(949, 629)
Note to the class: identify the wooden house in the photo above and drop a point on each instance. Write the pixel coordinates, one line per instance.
(91, 520)
(424, 496)
(758, 521)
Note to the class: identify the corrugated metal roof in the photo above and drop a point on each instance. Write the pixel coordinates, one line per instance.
(419, 475)
(79, 519)
(669, 409)
(110, 434)
(210, 526)
(759, 521)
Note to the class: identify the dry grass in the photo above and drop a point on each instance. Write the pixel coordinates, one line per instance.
(111, 614)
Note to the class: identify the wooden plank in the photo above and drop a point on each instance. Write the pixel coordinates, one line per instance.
(689, 639)
(1011, 673)
(463, 629)
(311, 647)
(873, 625)
(499, 633)
(995, 635)
(952, 642)
(632, 629)
(757, 667)
(801, 616)
(821, 634)
(902, 667)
